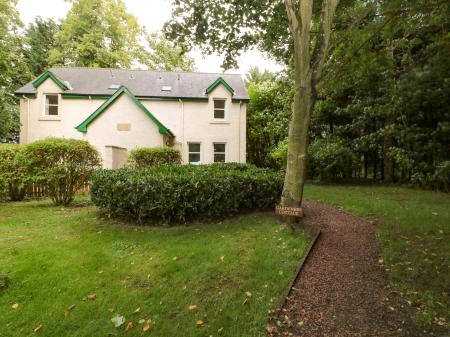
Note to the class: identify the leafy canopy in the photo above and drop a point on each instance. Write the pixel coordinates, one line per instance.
(13, 70)
(97, 33)
(40, 38)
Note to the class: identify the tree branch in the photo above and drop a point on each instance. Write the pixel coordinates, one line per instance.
(293, 16)
(322, 47)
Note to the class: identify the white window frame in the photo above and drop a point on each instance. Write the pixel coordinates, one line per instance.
(224, 109)
(45, 106)
(189, 152)
(224, 153)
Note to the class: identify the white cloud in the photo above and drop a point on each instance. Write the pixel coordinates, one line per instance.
(152, 14)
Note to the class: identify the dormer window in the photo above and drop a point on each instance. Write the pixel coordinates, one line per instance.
(219, 108)
(51, 105)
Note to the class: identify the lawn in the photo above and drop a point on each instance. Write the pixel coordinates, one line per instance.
(217, 279)
(414, 229)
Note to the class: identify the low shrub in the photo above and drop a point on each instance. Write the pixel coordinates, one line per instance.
(151, 156)
(63, 165)
(175, 193)
(13, 177)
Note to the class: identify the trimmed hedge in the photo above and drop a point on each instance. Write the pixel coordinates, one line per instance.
(13, 178)
(151, 156)
(63, 165)
(174, 194)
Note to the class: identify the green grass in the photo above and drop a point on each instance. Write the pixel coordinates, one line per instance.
(55, 257)
(414, 230)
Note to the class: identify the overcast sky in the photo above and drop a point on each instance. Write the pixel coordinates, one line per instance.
(152, 14)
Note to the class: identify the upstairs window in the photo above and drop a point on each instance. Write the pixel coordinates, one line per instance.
(219, 109)
(194, 153)
(51, 105)
(219, 152)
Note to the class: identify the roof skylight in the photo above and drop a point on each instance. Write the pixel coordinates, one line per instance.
(114, 86)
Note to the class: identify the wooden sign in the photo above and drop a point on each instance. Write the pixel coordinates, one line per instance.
(289, 211)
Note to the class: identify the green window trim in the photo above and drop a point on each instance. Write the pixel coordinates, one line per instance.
(123, 90)
(220, 80)
(48, 74)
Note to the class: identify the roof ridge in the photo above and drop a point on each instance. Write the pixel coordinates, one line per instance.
(150, 70)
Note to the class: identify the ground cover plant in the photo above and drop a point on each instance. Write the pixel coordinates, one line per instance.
(70, 273)
(174, 194)
(414, 230)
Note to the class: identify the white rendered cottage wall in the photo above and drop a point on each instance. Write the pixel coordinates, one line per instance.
(194, 122)
(189, 121)
(35, 125)
(123, 125)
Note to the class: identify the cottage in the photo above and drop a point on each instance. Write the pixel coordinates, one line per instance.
(201, 114)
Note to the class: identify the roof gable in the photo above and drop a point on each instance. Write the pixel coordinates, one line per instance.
(48, 74)
(217, 82)
(123, 90)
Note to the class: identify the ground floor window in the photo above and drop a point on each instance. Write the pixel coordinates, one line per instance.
(194, 153)
(219, 152)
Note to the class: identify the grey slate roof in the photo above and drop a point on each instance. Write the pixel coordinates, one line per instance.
(96, 81)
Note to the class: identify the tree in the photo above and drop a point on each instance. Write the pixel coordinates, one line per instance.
(39, 40)
(256, 76)
(161, 54)
(13, 71)
(267, 115)
(280, 28)
(97, 33)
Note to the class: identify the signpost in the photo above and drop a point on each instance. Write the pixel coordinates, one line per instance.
(289, 213)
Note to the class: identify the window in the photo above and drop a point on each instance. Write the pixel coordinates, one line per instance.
(194, 153)
(219, 109)
(219, 152)
(51, 105)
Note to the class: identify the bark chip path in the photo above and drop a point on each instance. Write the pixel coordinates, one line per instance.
(341, 290)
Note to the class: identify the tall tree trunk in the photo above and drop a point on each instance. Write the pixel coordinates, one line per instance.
(308, 78)
(298, 140)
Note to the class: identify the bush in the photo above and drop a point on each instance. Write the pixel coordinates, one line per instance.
(279, 155)
(63, 165)
(330, 160)
(151, 156)
(327, 159)
(13, 178)
(175, 193)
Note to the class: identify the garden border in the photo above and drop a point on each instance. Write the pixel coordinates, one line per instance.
(297, 273)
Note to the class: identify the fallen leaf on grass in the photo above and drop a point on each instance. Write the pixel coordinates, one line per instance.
(137, 310)
(91, 297)
(39, 327)
(146, 327)
(222, 258)
(199, 322)
(15, 306)
(192, 307)
(130, 325)
(248, 294)
(118, 320)
(66, 312)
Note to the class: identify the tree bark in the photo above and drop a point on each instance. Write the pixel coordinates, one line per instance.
(308, 78)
